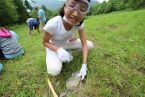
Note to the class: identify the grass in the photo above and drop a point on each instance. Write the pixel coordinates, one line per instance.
(116, 63)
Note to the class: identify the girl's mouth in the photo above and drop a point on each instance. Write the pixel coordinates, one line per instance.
(74, 20)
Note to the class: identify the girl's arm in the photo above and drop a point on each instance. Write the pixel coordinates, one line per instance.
(84, 45)
(59, 50)
(46, 42)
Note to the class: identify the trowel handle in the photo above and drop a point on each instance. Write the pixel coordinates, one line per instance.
(51, 88)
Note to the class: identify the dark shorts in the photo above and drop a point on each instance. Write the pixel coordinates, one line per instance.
(2, 55)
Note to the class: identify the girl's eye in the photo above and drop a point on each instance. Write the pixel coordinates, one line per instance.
(72, 6)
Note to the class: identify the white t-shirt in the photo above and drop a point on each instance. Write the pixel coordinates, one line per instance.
(56, 28)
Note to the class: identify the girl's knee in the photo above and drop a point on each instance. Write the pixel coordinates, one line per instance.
(90, 45)
(53, 63)
(54, 72)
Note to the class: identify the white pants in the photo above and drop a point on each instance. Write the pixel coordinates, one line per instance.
(54, 65)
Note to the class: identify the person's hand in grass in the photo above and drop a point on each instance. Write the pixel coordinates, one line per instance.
(83, 71)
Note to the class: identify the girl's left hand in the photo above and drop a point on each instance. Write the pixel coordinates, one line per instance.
(83, 71)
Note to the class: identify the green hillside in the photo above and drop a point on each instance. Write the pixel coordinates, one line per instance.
(116, 64)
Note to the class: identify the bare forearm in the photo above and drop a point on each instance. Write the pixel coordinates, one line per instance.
(84, 45)
(51, 46)
(46, 43)
(85, 53)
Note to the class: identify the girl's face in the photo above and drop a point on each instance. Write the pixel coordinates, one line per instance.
(75, 10)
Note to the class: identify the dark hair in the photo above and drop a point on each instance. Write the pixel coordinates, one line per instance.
(61, 13)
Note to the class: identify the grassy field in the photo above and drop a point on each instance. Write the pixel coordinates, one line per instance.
(116, 63)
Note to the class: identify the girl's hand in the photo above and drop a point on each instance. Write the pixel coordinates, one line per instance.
(63, 55)
(83, 71)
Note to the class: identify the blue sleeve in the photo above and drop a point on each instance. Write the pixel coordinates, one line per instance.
(14, 35)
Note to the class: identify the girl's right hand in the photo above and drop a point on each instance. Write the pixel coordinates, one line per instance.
(63, 55)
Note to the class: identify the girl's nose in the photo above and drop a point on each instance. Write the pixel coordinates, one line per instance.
(75, 13)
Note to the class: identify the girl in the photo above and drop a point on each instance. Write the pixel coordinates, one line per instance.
(59, 36)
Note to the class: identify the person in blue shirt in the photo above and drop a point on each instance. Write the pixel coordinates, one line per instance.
(10, 47)
(33, 24)
(41, 16)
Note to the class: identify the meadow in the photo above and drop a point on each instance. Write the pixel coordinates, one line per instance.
(116, 64)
